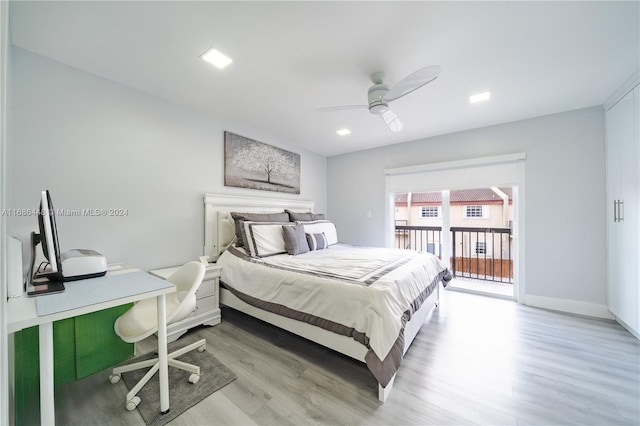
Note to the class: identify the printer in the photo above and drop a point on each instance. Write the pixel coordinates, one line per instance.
(78, 264)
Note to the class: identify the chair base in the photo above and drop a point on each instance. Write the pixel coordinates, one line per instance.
(132, 400)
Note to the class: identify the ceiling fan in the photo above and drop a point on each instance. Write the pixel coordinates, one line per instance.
(380, 94)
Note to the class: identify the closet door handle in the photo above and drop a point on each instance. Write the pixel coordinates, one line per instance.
(620, 211)
(615, 210)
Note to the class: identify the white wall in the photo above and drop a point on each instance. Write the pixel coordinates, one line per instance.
(564, 195)
(97, 144)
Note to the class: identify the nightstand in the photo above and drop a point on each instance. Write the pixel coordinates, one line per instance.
(207, 310)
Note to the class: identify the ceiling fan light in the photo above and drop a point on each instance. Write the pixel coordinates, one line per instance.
(392, 121)
(378, 108)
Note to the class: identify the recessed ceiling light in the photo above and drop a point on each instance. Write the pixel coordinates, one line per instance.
(343, 132)
(216, 58)
(479, 97)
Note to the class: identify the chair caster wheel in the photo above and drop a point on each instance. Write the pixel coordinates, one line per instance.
(194, 378)
(202, 348)
(133, 403)
(114, 378)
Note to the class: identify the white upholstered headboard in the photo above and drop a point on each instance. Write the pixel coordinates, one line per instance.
(219, 228)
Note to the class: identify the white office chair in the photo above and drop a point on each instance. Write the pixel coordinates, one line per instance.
(141, 321)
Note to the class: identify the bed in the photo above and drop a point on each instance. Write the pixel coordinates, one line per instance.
(364, 302)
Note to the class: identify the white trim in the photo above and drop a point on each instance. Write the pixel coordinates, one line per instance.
(458, 164)
(389, 213)
(518, 233)
(569, 306)
(628, 86)
(628, 328)
(446, 224)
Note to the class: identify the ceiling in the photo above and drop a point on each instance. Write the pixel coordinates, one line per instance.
(291, 58)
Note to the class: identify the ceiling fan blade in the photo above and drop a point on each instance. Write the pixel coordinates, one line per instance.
(392, 121)
(413, 81)
(342, 108)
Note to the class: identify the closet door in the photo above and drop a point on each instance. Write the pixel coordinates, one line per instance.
(622, 174)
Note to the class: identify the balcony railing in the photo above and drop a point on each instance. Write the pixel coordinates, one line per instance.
(478, 253)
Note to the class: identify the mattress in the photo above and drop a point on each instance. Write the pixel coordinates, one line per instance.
(362, 292)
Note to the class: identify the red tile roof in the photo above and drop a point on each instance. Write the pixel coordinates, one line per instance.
(458, 196)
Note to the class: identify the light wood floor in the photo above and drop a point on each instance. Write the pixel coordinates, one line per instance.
(478, 360)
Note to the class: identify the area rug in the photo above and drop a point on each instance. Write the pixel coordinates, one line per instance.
(182, 393)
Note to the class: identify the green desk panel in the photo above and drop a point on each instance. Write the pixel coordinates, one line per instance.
(97, 345)
(82, 346)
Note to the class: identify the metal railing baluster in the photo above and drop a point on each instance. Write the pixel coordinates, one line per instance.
(429, 238)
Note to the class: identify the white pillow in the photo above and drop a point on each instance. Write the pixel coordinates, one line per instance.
(319, 227)
(264, 238)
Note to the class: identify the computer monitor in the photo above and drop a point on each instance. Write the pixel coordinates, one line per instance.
(49, 233)
(48, 237)
(70, 265)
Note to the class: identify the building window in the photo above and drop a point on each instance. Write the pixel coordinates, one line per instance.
(482, 248)
(430, 211)
(476, 212)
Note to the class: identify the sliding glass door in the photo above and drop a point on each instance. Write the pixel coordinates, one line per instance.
(469, 213)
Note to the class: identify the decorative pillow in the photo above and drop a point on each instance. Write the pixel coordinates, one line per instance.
(295, 240)
(264, 238)
(321, 226)
(317, 241)
(306, 216)
(255, 217)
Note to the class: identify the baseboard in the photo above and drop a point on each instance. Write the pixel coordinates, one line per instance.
(628, 328)
(569, 306)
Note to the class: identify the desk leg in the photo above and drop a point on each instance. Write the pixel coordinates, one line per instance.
(47, 400)
(162, 354)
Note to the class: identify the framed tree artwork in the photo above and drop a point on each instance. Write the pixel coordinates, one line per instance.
(255, 165)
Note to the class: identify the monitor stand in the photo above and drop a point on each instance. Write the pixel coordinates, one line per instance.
(38, 288)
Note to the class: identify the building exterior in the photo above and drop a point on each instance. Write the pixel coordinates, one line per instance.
(480, 222)
(475, 208)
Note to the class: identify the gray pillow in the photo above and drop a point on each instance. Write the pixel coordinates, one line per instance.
(317, 241)
(304, 217)
(294, 239)
(238, 218)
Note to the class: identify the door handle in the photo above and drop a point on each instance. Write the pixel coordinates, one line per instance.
(620, 210)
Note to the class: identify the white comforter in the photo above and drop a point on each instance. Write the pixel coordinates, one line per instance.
(368, 289)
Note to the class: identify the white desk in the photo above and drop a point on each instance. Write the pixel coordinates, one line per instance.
(22, 312)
